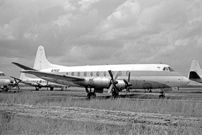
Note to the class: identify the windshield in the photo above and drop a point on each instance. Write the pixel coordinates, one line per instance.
(2, 74)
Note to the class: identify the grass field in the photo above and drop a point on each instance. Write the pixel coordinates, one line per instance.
(15, 124)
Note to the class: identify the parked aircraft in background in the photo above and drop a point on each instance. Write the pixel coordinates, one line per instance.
(115, 78)
(38, 83)
(4, 83)
(195, 72)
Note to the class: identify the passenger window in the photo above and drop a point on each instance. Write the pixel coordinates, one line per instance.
(97, 73)
(72, 74)
(2, 74)
(165, 69)
(127, 73)
(85, 73)
(67, 73)
(78, 74)
(170, 69)
(91, 73)
(119, 73)
(104, 73)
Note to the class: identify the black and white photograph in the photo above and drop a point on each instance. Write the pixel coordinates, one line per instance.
(100, 67)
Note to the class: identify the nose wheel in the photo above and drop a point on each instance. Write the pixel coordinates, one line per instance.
(91, 95)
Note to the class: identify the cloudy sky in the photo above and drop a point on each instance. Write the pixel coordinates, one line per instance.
(87, 32)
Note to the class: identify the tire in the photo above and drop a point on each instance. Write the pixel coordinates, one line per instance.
(161, 96)
(115, 94)
(91, 95)
(51, 88)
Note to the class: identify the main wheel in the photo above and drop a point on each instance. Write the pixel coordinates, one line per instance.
(91, 95)
(6, 89)
(51, 88)
(115, 94)
(161, 96)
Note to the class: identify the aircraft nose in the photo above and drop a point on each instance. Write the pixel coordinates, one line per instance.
(185, 81)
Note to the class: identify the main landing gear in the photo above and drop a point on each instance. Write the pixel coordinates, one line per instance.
(115, 94)
(149, 90)
(162, 95)
(51, 88)
(90, 94)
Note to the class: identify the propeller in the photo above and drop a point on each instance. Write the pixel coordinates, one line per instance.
(113, 82)
(16, 83)
(127, 82)
(39, 83)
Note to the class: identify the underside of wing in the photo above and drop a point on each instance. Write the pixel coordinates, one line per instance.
(53, 75)
(30, 84)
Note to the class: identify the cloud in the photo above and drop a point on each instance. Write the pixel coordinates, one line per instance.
(6, 33)
(85, 4)
(63, 20)
(98, 32)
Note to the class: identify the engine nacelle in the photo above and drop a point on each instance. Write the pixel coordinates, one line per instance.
(101, 83)
(121, 84)
(95, 82)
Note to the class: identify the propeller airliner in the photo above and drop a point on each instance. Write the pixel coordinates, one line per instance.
(115, 78)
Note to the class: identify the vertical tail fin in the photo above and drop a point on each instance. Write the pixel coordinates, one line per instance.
(23, 76)
(41, 61)
(195, 71)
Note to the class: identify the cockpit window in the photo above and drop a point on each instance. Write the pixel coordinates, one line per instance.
(2, 74)
(168, 69)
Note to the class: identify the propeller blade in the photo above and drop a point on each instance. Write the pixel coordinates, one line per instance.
(16, 83)
(110, 88)
(128, 84)
(115, 88)
(129, 77)
(113, 82)
(111, 75)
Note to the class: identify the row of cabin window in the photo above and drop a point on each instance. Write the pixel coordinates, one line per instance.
(39, 81)
(92, 73)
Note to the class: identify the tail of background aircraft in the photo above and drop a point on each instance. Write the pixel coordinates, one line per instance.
(41, 61)
(23, 76)
(195, 71)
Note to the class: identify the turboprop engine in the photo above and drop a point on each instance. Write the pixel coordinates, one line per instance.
(97, 82)
(102, 83)
(121, 84)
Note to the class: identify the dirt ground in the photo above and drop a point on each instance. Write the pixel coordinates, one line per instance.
(27, 113)
(101, 116)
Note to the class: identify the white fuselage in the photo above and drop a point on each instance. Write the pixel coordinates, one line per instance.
(39, 82)
(4, 82)
(142, 76)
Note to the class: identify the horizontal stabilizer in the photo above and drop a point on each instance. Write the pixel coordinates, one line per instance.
(22, 66)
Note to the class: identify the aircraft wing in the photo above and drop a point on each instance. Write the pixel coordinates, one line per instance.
(22, 66)
(53, 75)
(48, 75)
(21, 81)
(16, 78)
